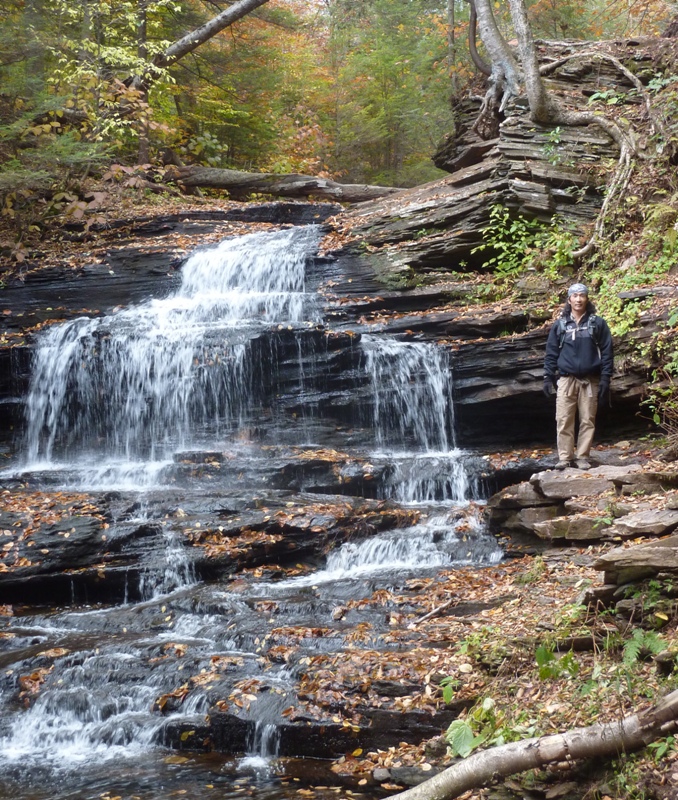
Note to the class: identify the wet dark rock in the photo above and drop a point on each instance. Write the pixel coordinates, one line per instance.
(280, 213)
(196, 735)
(412, 776)
(326, 739)
(82, 557)
(127, 275)
(394, 689)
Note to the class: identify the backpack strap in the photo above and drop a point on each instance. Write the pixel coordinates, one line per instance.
(562, 329)
(591, 324)
(593, 328)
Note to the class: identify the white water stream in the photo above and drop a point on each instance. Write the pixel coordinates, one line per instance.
(113, 399)
(169, 374)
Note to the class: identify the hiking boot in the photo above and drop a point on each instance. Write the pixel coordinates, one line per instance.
(563, 464)
(582, 463)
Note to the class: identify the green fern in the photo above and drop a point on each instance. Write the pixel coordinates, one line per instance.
(640, 641)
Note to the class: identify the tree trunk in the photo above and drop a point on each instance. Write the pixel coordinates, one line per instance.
(597, 741)
(200, 35)
(505, 69)
(144, 152)
(542, 108)
(243, 183)
(451, 56)
(504, 73)
(478, 61)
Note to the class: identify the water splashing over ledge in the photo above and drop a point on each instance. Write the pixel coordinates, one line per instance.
(171, 373)
(114, 402)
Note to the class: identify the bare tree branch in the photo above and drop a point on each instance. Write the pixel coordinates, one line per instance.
(200, 35)
(604, 740)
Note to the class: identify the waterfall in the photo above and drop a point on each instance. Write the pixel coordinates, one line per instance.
(176, 570)
(410, 386)
(97, 709)
(238, 365)
(413, 419)
(174, 372)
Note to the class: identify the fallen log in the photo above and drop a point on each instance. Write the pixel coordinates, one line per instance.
(243, 183)
(603, 740)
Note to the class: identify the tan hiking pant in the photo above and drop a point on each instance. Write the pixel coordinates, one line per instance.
(576, 394)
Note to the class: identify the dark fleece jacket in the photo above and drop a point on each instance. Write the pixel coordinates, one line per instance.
(580, 355)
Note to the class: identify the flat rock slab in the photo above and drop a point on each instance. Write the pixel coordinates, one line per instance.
(650, 482)
(562, 485)
(655, 522)
(522, 495)
(577, 527)
(628, 564)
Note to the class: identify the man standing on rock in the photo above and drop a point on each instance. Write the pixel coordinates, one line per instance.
(579, 364)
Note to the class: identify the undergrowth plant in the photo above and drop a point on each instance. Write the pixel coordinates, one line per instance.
(515, 243)
(486, 724)
(641, 643)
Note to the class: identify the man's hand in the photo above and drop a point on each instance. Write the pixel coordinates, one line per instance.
(549, 386)
(604, 390)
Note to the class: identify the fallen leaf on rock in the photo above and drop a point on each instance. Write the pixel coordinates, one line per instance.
(55, 652)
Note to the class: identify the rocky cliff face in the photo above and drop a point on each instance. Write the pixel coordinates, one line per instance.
(404, 264)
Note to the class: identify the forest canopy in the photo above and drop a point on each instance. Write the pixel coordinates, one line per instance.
(356, 90)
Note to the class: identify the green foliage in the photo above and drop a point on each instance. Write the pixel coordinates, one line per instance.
(594, 683)
(449, 686)
(510, 239)
(461, 739)
(487, 724)
(515, 241)
(608, 97)
(391, 88)
(642, 642)
(552, 666)
(481, 726)
(655, 252)
(660, 82)
(658, 246)
(551, 151)
(662, 747)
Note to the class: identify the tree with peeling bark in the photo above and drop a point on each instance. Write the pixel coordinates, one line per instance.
(604, 740)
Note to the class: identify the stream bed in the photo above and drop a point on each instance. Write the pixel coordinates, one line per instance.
(248, 479)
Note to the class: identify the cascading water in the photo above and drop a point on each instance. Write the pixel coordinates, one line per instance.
(113, 402)
(172, 373)
(411, 394)
(414, 421)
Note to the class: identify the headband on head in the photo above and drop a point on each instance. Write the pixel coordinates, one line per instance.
(577, 288)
